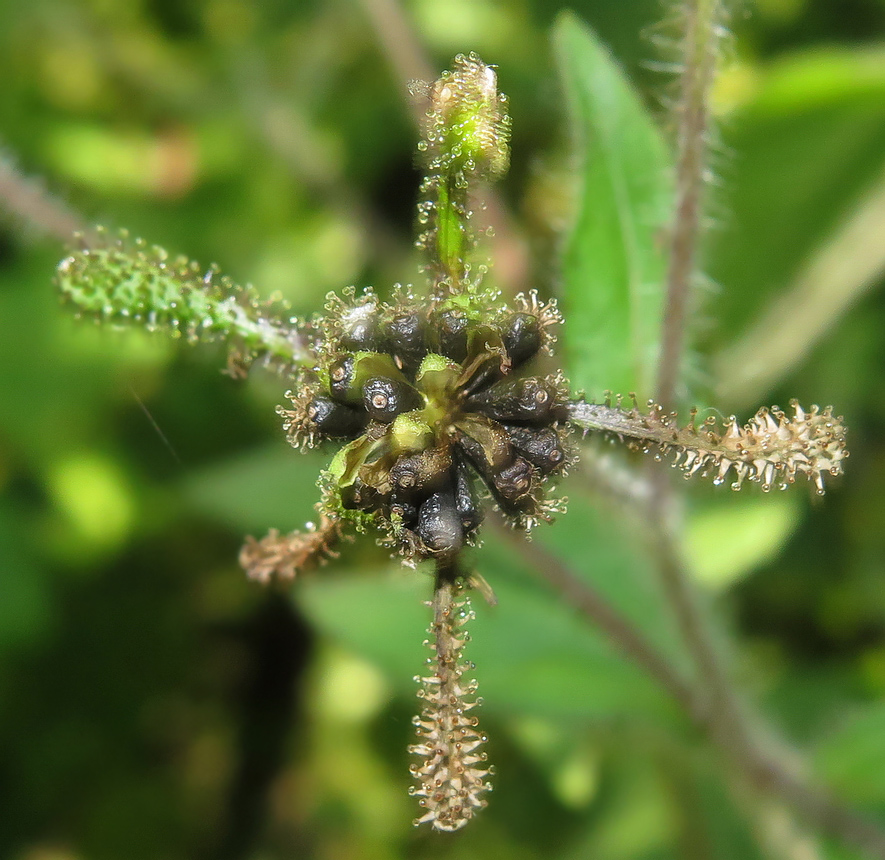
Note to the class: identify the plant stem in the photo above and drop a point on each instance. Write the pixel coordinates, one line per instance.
(29, 201)
(408, 59)
(699, 65)
(723, 715)
(718, 713)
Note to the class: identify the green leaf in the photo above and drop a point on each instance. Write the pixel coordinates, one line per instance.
(533, 655)
(725, 542)
(811, 161)
(272, 487)
(614, 263)
(595, 543)
(25, 610)
(852, 758)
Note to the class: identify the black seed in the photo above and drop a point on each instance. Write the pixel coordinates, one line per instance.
(522, 337)
(384, 398)
(361, 333)
(466, 502)
(414, 473)
(485, 354)
(486, 446)
(451, 332)
(340, 379)
(542, 446)
(404, 335)
(512, 485)
(439, 524)
(531, 400)
(334, 419)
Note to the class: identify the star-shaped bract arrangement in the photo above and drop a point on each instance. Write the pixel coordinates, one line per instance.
(442, 403)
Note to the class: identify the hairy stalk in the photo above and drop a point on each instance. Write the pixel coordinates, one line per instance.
(701, 40)
(724, 716)
(28, 201)
(770, 449)
(451, 779)
(123, 283)
(287, 555)
(722, 713)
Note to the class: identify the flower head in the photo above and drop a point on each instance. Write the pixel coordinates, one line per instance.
(440, 404)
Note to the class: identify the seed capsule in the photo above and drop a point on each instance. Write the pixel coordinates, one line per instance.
(404, 335)
(522, 337)
(360, 330)
(512, 485)
(485, 444)
(405, 509)
(486, 361)
(360, 496)
(334, 419)
(341, 379)
(450, 329)
(542, 446)
(439, 525)
(418, 473)
(531, 400)
(385, 398)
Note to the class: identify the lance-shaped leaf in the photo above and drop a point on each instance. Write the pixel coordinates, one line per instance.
(613, 264)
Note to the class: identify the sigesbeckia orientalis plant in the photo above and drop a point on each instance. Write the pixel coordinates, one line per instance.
(442, 401)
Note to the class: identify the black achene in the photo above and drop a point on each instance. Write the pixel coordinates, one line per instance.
(440, 410)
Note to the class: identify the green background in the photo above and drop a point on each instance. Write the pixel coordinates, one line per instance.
(155, 704)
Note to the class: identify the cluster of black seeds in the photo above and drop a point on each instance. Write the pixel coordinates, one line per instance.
(439, 405)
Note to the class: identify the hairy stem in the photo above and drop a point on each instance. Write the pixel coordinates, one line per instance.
(699, 66)
(28, 201)
(403, 49)
(451, 779)
(711, 701)
(724, 716)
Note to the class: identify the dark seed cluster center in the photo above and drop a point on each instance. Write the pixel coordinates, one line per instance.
(440, 409)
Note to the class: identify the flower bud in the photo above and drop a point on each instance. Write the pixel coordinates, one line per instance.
(468, 128)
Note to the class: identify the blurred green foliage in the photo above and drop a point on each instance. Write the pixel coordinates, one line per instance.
(155, 704)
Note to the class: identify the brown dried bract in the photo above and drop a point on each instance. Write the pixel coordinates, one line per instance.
(286, 555)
